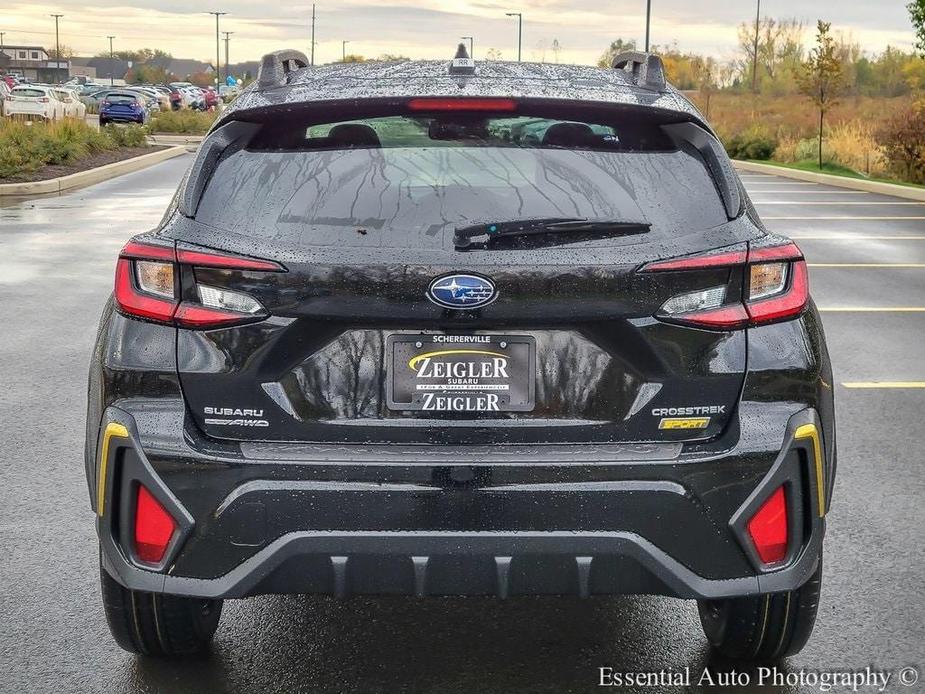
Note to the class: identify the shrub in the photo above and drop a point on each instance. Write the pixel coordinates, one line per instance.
(27, 147)
(184, 121)
(903, 141)
(127, 136)
(751, 145)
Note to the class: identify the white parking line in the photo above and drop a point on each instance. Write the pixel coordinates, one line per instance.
(852, 237)
(884, 384)
(840, 203)
(812, 192)
(843, 218)
(868, 265)
(872, 309)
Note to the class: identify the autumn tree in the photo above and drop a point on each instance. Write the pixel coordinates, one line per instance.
(613, 50)
(917, 10)
(822, 79)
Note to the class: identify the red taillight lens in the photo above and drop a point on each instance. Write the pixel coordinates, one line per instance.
(146, 287)
(462, 104)
(768, 528)
(777, 288)
(154, 527)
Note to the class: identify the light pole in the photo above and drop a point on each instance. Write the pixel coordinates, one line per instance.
(520, 30)
(343, 51)
(57, 46)
(312, 60)
(471, 49)
(648, 21)
(755, 57)
(227, 39)
(217, 61)
(112, 62)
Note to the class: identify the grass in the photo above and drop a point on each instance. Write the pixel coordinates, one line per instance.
(184, 122)
(833, 169)
(25, 147)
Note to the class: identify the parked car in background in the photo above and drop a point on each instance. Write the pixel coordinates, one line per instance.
(193, 95)
(73, 107)
(33, 102)
(4, 92)
(161, 101)
(123, 106)
(211, 98)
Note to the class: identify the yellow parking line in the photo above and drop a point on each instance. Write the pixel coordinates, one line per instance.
(872, 309)
(869, 265)
(884, 384)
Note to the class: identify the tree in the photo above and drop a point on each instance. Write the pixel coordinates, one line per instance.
(66, 52)
(903, 140)
(613, 50)
(917, 10)
(352, 58)
(492, 54)
(822, 79)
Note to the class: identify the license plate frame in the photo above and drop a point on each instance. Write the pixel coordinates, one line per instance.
(483, 359)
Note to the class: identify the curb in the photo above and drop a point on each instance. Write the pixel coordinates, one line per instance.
(830, 180)
(87, 178)
(191, 142)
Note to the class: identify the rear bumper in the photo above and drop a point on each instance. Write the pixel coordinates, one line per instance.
(503, 521)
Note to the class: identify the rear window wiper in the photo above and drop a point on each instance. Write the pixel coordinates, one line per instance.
(485, 235)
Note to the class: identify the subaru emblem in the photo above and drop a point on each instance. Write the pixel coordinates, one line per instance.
(462, 291)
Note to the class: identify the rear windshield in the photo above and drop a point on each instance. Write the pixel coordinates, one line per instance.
(28, 92)
(411, 180)
(121, 98)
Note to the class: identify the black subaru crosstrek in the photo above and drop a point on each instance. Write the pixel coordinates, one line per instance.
(455, 328)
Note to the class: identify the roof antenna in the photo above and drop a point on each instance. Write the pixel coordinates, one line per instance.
(462, 64)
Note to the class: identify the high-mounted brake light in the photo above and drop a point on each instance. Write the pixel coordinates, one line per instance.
(147, 286)
(768, 528)
(464, 104)
(776, 288)
(154, 527)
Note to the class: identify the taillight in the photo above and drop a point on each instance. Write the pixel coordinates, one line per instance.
(148, 286)
(104, 103)
(776, 287)
(768, 528)
(154, 527)
(462, 104)
(43, 99)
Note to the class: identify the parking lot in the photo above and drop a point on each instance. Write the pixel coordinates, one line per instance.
(867, 274)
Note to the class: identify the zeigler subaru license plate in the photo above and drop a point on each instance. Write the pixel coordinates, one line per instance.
(461, 373)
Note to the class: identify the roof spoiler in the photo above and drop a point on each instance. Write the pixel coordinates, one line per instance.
(276, 66)
(647, 69)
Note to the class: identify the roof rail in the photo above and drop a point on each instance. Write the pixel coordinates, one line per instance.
(647, 69)
(276, 66)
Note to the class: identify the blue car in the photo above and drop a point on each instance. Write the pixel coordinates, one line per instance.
(123, 107)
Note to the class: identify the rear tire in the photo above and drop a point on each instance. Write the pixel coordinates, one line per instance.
(156, 624)
(765, 627)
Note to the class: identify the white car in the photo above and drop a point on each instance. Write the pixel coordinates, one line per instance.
(73, 107)
(32, 102)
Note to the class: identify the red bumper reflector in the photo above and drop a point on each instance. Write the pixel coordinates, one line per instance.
(768, 528)
(462, 104)
(154, 527)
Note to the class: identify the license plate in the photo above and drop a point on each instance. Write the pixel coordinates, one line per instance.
(461, 373)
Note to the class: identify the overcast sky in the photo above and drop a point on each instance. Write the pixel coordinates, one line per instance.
(431, 29)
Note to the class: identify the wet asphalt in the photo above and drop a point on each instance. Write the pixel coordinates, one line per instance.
(56, 264)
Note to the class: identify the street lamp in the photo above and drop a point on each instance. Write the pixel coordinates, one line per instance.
(648, 21)
(343, 51)
(57, 46)
(112, 63)
(520, 29)
(217, 61)
(227, 39)
(471, 50)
